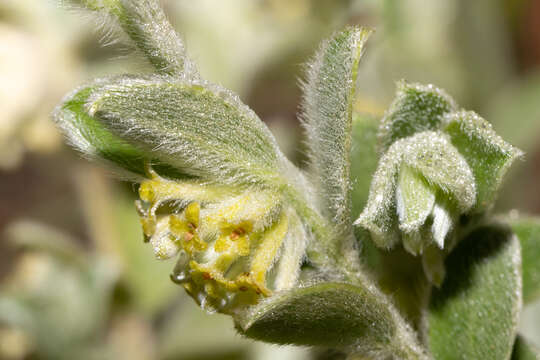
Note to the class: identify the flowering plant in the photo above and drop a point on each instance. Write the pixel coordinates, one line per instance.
(278, 248)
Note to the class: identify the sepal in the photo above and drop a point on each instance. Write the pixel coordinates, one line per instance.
(416, 108)
(420, 187)
(487, 154)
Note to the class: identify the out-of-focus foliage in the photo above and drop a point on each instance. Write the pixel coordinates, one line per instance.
(254, 48)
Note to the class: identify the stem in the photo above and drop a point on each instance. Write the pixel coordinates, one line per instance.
(326, 252)
(145, 23)
(410, 352)
(329, 255)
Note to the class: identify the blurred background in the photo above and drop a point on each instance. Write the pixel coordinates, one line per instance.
(76, 280)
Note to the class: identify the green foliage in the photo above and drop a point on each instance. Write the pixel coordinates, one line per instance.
(148, 30)
(438, 164)
(328, 104)
(257, 239)
(334, 315)
(474, 314)
(196, 127)
(89, 136)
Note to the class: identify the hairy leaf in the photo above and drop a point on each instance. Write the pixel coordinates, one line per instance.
(379, 216)
(86, 134)
(145, 23)
(327, 116)
(416, 108)
(527, 229)
(335, 315)
(474, 314)
(196, 127)
(488, 155)
(523, 350)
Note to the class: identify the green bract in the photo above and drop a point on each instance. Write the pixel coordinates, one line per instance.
(438, 164)
(257, 238)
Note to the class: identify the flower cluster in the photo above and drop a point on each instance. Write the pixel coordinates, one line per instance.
(228, 240)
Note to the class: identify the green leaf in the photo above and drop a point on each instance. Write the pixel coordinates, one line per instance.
(488, 155)
(334, 315)
(198, 128)
(474, 314)
(416, 108)
(527, 229)
(327, 116)
(363, 159)
(90, 137)
(145, 23)
(184, 130)
(524, 350)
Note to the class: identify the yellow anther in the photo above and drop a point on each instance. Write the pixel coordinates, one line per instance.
(243, 246)
(216, 279)
(246, 282)
(235, 237)
(192, 213)
(147, 192)
(178, 225)
(185, 230)
(222, 244)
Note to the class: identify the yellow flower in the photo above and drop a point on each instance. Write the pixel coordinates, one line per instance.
(185, 230)
(228, 240)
